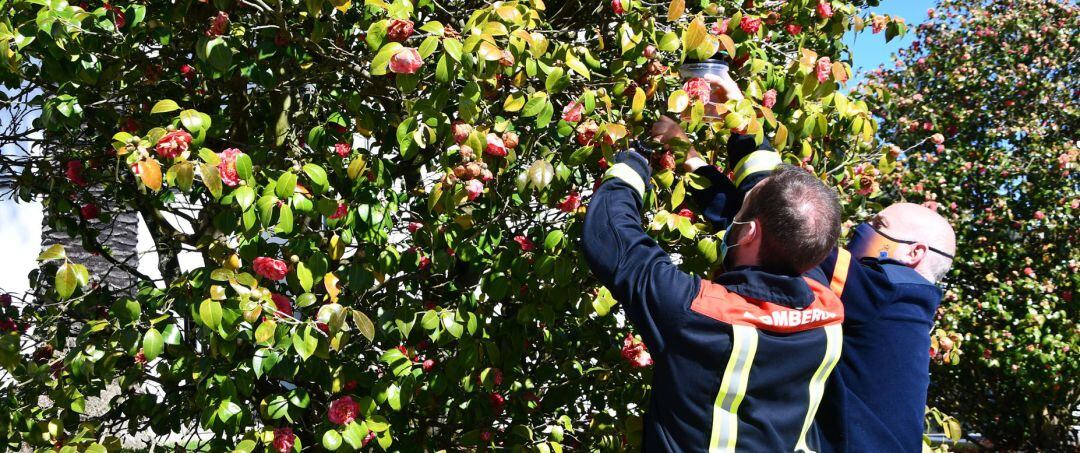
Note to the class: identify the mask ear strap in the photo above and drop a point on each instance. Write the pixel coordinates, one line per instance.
(932, 249)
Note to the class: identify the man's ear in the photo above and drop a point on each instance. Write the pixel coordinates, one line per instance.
(916, 254)
(752, 233)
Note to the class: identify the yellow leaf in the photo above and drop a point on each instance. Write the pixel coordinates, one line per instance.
(675, 9)
(577, 66)
(780, 141)
(727, 44)
(638, 104)
(489, 52)
(678, 101)
(694, 35)
(809, 57)
(330, 281)
(514, 102)
(337, 247)
(538, 45)
(150, 172)
(509, 13)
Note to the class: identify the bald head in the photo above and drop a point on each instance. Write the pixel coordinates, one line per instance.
(913, 222)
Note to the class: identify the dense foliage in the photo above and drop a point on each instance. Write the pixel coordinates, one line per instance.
(385, 198)
(999, 81)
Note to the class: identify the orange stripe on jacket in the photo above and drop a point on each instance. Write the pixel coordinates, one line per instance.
(715, 301)
(840, 271)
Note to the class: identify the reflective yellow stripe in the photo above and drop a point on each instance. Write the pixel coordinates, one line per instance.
(755, 162)
(840, 271)
(627, 174)
(834, 338)
(725, 424)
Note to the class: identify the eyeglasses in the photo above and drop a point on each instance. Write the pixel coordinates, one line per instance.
(902, 241)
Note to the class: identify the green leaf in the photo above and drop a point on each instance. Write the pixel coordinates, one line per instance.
(331, 440)
(553, 240)
(66, 280)
(210, 313)
(264, 361)
(305, 343)
(382, 59)
(430, 44)
(153, 344)
(556, 81)
(303, 274)
(193, 121)
(535, 104)
(286, 185)
(243, 166)
(227, 410)
(172, 335)
(54, 252)
(244, 196)
(364, 324)
(354, 434)
(165, 105)
(318, 177)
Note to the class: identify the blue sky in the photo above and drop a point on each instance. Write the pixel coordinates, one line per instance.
(870, 50)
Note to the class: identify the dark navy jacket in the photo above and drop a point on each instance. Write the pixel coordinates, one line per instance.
(740, 361)
(876, 398)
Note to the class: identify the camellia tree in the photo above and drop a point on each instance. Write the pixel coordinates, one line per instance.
(383, 199)
(986, 95)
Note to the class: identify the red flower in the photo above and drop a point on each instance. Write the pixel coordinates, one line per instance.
(878, 23)
(824, 9)
(368, 438)
(424, 262)
(187, 71)
(525, 243)
(218, 24)
(474, 188)
(824, 68)
(793, 29)
(495, 145)
(485, 436)
(665, 161)
(343, 410)
(617, 6)
(227, 167)
(461, 131)
(406, 61)
(602, 163)
(74, 173)
(414, 226)
(688, 214)
(89, 211)
(497, 401)
(750, 25)
(140, 358)
(399, 30)
(270, 268)
(937, 139)
(120, 20)
(173, 144)
(634, 351)
(571, 203)
(284, 439)
(283, 305)
(1039, 215)
(343, 149)
(769, 98)
(586, 132)
(698, 88)
(342, 211)
(1029, 272)
(428, 365)
(510, 139)
(720, 28)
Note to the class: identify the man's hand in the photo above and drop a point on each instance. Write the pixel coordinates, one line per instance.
(724, 87)
(665, 129)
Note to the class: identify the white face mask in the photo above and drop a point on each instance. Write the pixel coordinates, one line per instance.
(724, 247)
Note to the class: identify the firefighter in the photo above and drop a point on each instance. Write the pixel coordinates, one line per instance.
(887, 279)
(741, 359)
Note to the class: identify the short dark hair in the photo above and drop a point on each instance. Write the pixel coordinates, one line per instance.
(799, 218)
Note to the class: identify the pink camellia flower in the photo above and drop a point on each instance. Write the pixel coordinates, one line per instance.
(74, 173)
(227, 167)
(698, 88)
(89, 211)
(571, 203)
(218, 24)
(367, 439)
(750, 25)
(524, 242)
(424, 262)
(937, 139)
(572, 112)
(824, 9)
(586, 132)
(793, 29)
(931, 205)
(284, 439)
(1029, 271)
(878, 23)
(720, 27)
(173, 144)
(769, 98)
(474, 188)
(406, 61)
(939, 148)
(270, 268)
(497, 401)
(342, 211)
(283, 304)
(187, 71)
(617, 6)
(1039, 215)
(634, 351)
(495, 145)
(399, 30)
(824, 68)
(461, 131)
(688, 214)
(414, 226)
(343, 410)
(343, 150)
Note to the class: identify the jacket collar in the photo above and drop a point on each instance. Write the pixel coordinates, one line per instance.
(756, 283)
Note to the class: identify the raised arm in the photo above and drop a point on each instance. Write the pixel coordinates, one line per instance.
(654, 292)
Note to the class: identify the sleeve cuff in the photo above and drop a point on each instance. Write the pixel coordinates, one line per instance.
(631, 168)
